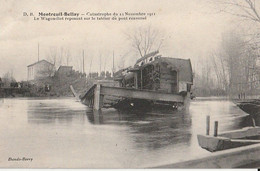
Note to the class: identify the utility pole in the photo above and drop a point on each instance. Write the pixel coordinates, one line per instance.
(105, 65)
(38, 52)
(100, 64)
(113, 69)
(90, 67)
(83, 63)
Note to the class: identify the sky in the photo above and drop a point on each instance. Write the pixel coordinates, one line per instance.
(191, 30)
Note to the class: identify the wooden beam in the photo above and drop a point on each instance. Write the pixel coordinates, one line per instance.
(141, 80)
(136, 79)
(97, 103)
(140, 94)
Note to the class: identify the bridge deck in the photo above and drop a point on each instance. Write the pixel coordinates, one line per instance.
(95, 94)
(140, 94)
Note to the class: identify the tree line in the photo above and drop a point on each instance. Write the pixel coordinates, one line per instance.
(234, 67)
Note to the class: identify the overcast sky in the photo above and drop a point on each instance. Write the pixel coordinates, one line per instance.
(192, 31)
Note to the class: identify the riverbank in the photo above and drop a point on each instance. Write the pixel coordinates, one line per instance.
(242, 157)
(31, 92)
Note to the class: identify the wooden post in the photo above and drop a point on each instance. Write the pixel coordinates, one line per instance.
(98, 117)
(141, 79)
(207, 125)
(74, 92)
(216, 129)
(253, 122)
(186, 101)
(38, 52)
(97, 97)
(136, 80)
(83, 62)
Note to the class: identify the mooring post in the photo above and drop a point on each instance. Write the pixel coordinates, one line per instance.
(207, 125)
(253, 122)
(216, 129)
(186, 101)
(97, 97)
(141, 80)
(136, 80)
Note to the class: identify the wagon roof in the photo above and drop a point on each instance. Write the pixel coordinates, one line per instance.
(183, 66)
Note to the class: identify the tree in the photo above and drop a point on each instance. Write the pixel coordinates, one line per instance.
(248, 11)
(235, 64)
(52, 55)
(220, 70)
(47, 71)
(8, 78)
(67, 56)
(244, 9)
(64, 54)
(102, 75)
(145, 40)
(122, 60)
(108, 75)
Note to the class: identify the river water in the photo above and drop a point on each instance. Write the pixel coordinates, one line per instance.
(63, 133)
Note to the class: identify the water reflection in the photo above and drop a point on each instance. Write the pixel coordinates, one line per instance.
(52, 111)
(150, 129)
(64, 133)
(257, 119)
(94, 117)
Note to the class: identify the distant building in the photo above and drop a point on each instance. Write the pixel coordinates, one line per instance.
(39, 70)
(64, 70)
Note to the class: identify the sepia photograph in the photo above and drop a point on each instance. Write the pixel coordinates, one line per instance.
(128, 84)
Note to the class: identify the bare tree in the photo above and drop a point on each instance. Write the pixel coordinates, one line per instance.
(60, 58)
(47, 71)
(52, 55)
(233, 47)
(145, 39)
(244, 9)
(56, 57)
(122, 60)
(235, 64)
(8, 78)
(67, 56)
(220, 70)
(90, 65)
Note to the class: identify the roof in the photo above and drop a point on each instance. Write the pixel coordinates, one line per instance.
(65, 67)
(40, 62)
(183, 66)
(147, 56)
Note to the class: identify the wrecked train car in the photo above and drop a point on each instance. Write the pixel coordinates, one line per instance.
(153, 81)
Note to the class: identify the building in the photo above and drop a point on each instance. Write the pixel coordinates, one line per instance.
(64, 71)
(154, 72)
(40, 70)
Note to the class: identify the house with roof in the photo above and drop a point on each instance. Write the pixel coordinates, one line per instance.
(64, 71)
(39, 70)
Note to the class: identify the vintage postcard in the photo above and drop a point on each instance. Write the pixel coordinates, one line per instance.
(129, 84)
